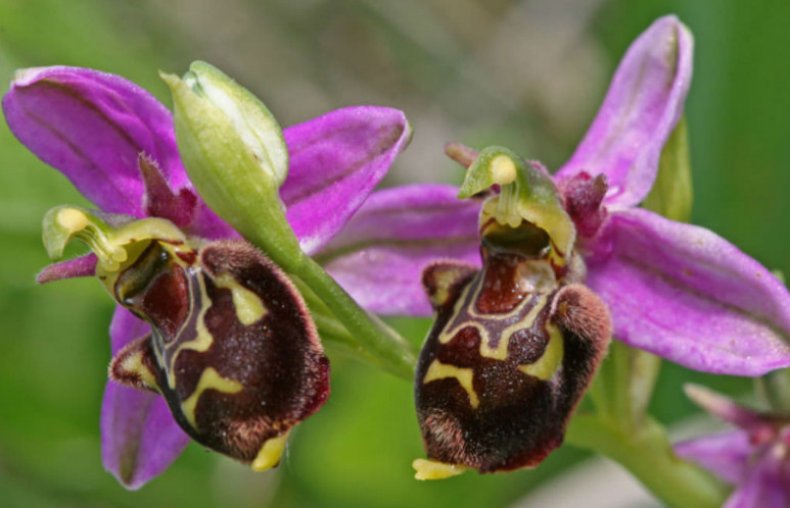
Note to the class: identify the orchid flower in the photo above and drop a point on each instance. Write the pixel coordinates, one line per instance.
(116, 144)
(677, 290)
(754, 458)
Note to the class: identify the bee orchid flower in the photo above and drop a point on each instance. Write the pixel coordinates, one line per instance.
(117, 145)
(674, 289)
(521, 296)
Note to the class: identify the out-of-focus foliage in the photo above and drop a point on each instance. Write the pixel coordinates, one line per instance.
(526, 74)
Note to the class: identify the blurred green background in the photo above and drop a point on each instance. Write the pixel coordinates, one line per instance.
(528, 74)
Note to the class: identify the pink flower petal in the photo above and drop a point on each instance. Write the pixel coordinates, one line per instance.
(381, 253)
(765, 484)
(684, 293)
(140, 438)
(92, 126)
(82, 266)
(643, 104)
(725, 454)
(336, 161)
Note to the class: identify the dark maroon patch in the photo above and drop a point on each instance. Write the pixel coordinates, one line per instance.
(499, 293)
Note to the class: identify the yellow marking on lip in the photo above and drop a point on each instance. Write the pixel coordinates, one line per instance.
(249, 307)
(203, 338)
(448, 335)
(548, 364)
(270, 453)
(435, 470)
(438, 370)
(443, 280)
(500, 351)
(210, 379)
(134, 363)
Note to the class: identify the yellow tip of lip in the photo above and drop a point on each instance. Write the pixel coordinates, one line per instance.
(270, 454)
(433, 470)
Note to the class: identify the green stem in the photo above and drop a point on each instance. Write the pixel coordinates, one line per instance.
(365, 331)
(621, 384)
(647, 454)
(375, 338)
(332, 330)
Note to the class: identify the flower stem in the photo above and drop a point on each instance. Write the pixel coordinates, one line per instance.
(647, 454)
(360, 332)
(332, 331)
(379, 341)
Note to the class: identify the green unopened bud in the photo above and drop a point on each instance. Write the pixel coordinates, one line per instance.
(252, 120)
(235, 154)
(527, 193)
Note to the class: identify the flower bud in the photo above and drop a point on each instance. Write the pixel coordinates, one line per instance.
(235, 154)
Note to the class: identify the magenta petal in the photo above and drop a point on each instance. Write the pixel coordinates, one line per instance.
(82, 266)
(684, 293)
(643, 104)
(725, 454)
(765, 484)
(140, 438)
(92, 126)
(381, 253)
(336, 161)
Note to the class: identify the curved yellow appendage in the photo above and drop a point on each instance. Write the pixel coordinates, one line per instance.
(270, 454)
(433, 470)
